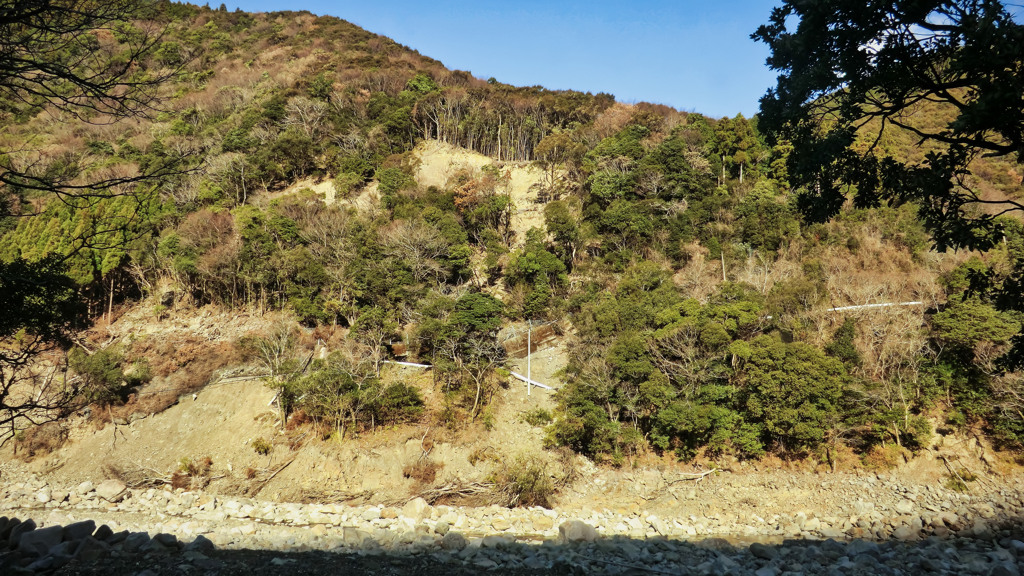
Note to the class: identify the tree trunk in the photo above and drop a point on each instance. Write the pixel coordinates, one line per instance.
(476, 402)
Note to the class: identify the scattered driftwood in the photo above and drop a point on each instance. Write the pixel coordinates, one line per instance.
(975, 476)
(689, 476)
(322, 495)
(260, 484)
(457, 489)
(137, 476)
(694, 477)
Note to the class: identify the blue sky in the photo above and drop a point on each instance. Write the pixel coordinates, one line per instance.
(692, 55)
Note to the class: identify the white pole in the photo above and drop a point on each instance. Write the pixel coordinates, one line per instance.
(529, 345)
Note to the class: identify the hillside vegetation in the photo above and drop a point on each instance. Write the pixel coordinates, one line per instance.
(696, 301)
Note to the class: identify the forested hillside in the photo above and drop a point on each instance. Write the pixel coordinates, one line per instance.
(696, 299)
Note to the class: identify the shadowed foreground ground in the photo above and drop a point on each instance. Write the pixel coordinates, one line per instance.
(137, 554)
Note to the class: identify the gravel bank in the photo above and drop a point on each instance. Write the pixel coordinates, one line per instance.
(876, 526)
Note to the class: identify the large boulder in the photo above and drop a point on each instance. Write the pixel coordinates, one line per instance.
(453, 541)
(112, 490)
(577, 531)
(15, 528)
(79, 530)
(37, 542)
(416, 509)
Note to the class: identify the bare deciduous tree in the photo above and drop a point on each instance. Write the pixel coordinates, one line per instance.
(419, 244)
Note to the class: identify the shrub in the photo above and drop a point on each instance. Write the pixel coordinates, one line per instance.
(794, 391)
(583, 425)
(538, 417)
(106, 380)
(398, 403)
(195, 467)
(842, 346)
(958, 480)
(523, 482)
(423, 471)
(262, 447)
(192, 473)
(39, 440)
(884, 457)
(487, 419)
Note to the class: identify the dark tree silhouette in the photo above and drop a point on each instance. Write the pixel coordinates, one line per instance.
(856, 66)
(40, 309)
(86, 61)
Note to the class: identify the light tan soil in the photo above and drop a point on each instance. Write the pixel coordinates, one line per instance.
(438, 162)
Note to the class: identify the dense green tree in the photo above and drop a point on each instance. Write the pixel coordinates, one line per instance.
(739, 147)
(794, 391)
(842, 345)
(945, 74)
(563, 226)
(966, 323)
(558, 151)
(537, 269)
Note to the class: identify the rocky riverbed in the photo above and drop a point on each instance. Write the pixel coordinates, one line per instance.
(876, 525)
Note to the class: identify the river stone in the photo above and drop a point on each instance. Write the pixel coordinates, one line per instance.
(951, 520)
(47, 564)
(79, 530)
(6, 524)
(91, 550)
(17, 529)
(831, 532)
(453, 541)
(495, 541)
(104, 533)
(156, 547)
(134, 541)
(543, 523)
(658, 524)
(862, 547)
(1005, 569)
(576, 531)
(111, 490)
(417, 509)
(200, 544)
(37, 542)
(353, 536)
(763, 551)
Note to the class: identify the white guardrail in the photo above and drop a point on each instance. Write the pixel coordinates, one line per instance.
(516, 375)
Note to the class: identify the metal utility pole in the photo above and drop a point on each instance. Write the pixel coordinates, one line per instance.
(529, 346)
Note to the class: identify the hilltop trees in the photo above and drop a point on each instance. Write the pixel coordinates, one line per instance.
(81, 60)
(53, 53)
